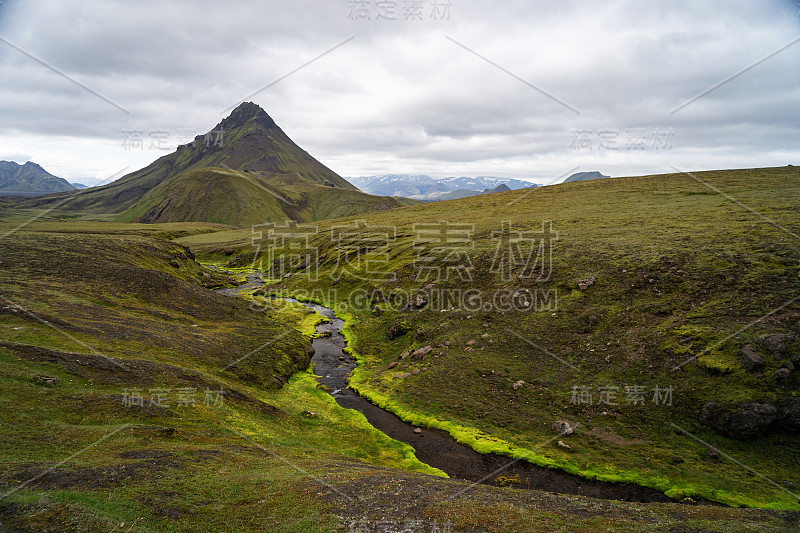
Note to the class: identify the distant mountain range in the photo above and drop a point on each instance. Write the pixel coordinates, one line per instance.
(586, 176)
(422, 187)
(244, 171)
(29, 180)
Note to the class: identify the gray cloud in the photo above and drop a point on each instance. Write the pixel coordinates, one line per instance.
(401, 97)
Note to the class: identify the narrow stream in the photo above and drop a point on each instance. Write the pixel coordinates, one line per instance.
(437, 448)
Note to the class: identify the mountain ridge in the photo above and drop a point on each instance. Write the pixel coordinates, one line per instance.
(206, 180)
(29, 179)
(424, 187)
(586, 176)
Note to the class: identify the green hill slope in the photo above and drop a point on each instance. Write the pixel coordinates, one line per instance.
(667, 320)
(220, 195)
(132, 398)
(246, 153)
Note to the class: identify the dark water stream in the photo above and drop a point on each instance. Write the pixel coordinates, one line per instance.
(437, 448)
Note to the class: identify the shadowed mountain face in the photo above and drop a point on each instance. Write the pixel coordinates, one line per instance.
(250, 141)
(246, 170)
(29, 180)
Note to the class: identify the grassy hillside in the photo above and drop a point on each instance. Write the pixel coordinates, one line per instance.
(209, 195)
(656, 285)
(244, 171)
(219, 195)
(90, 319)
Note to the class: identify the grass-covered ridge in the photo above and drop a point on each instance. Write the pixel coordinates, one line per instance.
(681, 272)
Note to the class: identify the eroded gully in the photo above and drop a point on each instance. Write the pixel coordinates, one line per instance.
(435, 447)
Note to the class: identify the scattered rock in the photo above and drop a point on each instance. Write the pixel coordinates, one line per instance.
(174, 264)
(422, 352)
(584, 284)
(377, 311)
(564, 445)
(398, 328)
(418, 301)
(341, 358)
(405, 354)
(776, 343)
(415, 371)
(392, 365)
(309, 414)
(417, 430)
(470, 342)
(46, 380)
(782, 374)
(750, 420)
(713, 452)
(562, 427)
(789, 366)
(518, 384)
(789, 415)
(750, 359)
(404, 376)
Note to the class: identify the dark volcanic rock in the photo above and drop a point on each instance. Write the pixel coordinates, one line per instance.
(713, 452)
(750, 359)
(398, 328)
(418, 301)
(749, 420)
(776, 343)
(782, 374)
(789, 415)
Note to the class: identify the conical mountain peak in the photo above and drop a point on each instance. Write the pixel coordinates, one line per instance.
(243, 171)
(244, 113)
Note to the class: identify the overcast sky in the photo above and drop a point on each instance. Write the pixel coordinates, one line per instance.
(531, 90)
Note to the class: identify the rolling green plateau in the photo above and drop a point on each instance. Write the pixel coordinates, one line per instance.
(659, 285)
(244, 171)
(135, 398)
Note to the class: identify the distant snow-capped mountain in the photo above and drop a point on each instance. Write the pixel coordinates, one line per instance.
(424, 187)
